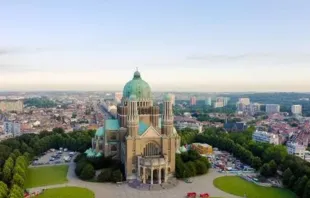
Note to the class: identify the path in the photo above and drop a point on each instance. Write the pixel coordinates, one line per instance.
(200, 184)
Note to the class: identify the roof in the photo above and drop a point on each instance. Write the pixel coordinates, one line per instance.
(237, 126)
(100, 132)
(112, 125)
(142, 128)
(137, 87)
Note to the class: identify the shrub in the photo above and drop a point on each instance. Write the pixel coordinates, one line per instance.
(88, 172)
(105, 176)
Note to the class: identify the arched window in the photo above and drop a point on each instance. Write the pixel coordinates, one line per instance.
(113, 148)
(151, 149)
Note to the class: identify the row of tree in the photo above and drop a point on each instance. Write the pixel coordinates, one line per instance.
(190, 164)
(267, 158)
(13, 175)
(16, 153)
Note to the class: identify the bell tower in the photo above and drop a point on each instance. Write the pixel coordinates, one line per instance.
(132, 116)
(167, 117)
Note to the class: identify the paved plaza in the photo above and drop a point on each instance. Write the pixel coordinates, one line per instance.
(200, 184)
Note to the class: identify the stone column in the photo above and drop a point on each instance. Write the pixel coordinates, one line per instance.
(143, 175)
(151, 175)
(166, 174)
(159, 175)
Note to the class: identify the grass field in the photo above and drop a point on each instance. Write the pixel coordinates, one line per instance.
(238, 186)
(47, 175)
(67, 192)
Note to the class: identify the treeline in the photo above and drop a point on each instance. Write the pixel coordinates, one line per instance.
(190, 164)
(86, 168)
(269, 159)
(40, 102)
(17, 153)
(13, 175)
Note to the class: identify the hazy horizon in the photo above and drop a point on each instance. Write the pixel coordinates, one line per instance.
(239, 46)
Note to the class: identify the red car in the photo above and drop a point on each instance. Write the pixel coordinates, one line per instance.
(191, 195)
(204, 195)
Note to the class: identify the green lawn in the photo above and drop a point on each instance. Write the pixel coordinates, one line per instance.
(46, 175)
(67, 192)
(238, 186)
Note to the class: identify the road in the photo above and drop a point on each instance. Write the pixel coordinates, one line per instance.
(102, 190)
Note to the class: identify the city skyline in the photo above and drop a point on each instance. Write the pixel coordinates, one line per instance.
(201, 46)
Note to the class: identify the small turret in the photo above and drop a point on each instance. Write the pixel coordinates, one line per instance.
(167, 117)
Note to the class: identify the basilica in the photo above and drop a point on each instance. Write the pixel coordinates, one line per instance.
(143, 139)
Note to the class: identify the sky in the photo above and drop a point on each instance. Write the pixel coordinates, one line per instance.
(177, 45)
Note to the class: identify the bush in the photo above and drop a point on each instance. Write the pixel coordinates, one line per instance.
(79, 167)
(116, 176)
(105, 176)
(88, 172)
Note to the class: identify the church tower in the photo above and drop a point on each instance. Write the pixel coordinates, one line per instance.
(132, 117)
(167, 117)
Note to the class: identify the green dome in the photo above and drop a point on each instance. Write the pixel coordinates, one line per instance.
(167, 97)
(137, 87)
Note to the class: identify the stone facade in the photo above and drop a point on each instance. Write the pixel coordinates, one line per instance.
(144, 140)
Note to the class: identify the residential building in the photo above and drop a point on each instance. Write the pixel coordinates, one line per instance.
(272, 108)
(11, 105)
(143, 140)
(293, 148)
(209, 101)
(186, 122)
(235, 126)
(296, 109)
(252, 108)
(263, 136)
(11, 128)
(193, 101)
(203, 149)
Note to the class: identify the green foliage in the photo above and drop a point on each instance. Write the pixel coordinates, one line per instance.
(3, 189)
(116, 176)
(286, 177)
(190, 164)
(105, 175)
(300, 184)
(307, 190)
(40, 102)
(265, 170)
(88, 172)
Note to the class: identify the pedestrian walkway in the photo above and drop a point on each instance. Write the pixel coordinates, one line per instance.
(201, 184)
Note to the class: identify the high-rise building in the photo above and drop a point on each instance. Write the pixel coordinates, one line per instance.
(272, 108)
(245, 101)
(144, 141)
(296, 109)
(221, 101)
(193, 100)
(11, 128)
(209, 101)
(218, 104)
(118, 96)
(11, 105)
(252, 108)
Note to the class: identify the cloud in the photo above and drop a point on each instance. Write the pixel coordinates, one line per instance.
(279, 58)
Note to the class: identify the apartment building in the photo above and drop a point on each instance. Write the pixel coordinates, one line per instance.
(11, 105)
(263, 136)
(272, 108)
(293, 148)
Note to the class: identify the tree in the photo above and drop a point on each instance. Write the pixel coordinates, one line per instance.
(88, 172)
(307, 190)
(18, 180)
(286, 177)
(256, 162)
(105, 176)
(116, 176)
(201, 168)
(300, 185)
(3, 189)
(292, 182)
(265, 170)
(273, 167)
(7, 174)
